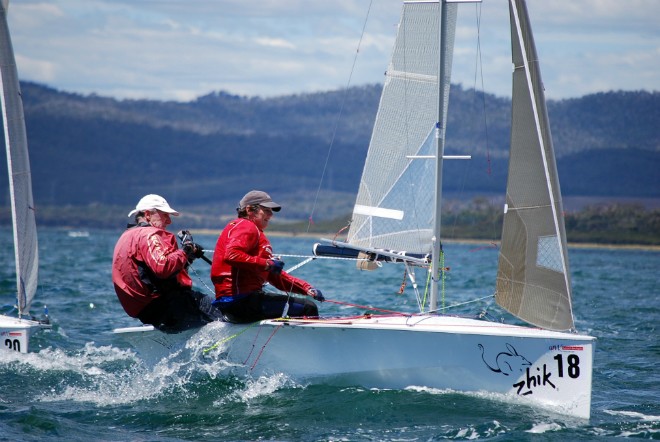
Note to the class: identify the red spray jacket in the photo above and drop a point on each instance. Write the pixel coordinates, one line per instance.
(240, 259)
(150, 247)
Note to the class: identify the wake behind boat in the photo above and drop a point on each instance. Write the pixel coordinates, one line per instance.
(15, 332)
(398, 209)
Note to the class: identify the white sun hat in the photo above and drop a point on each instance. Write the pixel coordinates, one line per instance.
(152, 201)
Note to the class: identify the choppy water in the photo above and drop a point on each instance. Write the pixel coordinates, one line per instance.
(82, 384)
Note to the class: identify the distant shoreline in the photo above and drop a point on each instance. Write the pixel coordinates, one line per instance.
(330, 235)
(319, 235)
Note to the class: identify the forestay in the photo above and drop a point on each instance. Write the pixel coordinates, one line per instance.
(533, 281)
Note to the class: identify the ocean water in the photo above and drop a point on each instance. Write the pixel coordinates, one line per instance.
(81, 383)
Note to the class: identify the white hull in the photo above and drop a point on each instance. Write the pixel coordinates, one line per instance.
(545, 368)
(15, 333)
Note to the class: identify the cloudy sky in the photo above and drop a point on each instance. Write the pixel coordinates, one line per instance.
(182, 49)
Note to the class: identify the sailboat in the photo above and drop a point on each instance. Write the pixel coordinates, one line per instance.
(15, 332)
(397, 219)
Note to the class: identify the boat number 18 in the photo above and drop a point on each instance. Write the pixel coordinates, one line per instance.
(572, 365)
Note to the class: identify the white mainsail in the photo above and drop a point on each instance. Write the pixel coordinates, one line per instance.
(533, 281)
(395, 202)
(16, 331)
(20, 178)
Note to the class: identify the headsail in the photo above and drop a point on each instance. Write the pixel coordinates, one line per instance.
(533, 280)
(394, 209)
(20, 179)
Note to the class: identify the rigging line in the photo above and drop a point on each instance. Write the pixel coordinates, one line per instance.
(478, 11)
(462, 303)
(444, 274)
(297, 266)
(263, 347)
(479, 69)
(229, 338)
(254, 343)
(484, 312)
(284, 255)
(426, 290)
(367, 307)
(288, 292)
(210, 291)
(411, 274)
(478, 72)
(339, 115)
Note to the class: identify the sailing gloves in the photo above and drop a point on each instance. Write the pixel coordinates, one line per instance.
(275, 266)
(190, 248)
(316, 294)
(193, 251)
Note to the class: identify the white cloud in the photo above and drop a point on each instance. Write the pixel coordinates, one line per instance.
(44, 70)
(180, 50)
(279, 43)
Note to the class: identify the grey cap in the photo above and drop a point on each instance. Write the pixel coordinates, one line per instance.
(258, 198)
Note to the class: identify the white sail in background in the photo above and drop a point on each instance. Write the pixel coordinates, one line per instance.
(20, 179)
(533, 281)
(395, 203)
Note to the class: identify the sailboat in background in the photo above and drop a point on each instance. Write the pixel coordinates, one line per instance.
(397, 219)
(15, 332)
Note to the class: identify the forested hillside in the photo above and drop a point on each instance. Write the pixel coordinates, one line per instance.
(308, 149)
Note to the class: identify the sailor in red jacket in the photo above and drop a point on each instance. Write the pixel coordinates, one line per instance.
(149, 271)
(243, 262)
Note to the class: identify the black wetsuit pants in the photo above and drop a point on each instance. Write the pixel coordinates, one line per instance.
(182, 310)
(259, 305)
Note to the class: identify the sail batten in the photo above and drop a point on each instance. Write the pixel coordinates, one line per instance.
(530, 207)
(533, 281)
(412, 76)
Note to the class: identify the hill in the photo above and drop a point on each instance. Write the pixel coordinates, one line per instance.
(308, 149)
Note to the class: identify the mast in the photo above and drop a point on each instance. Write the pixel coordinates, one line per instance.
(444, 79)
(440, 149)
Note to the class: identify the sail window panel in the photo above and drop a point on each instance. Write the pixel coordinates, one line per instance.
(549, 253)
